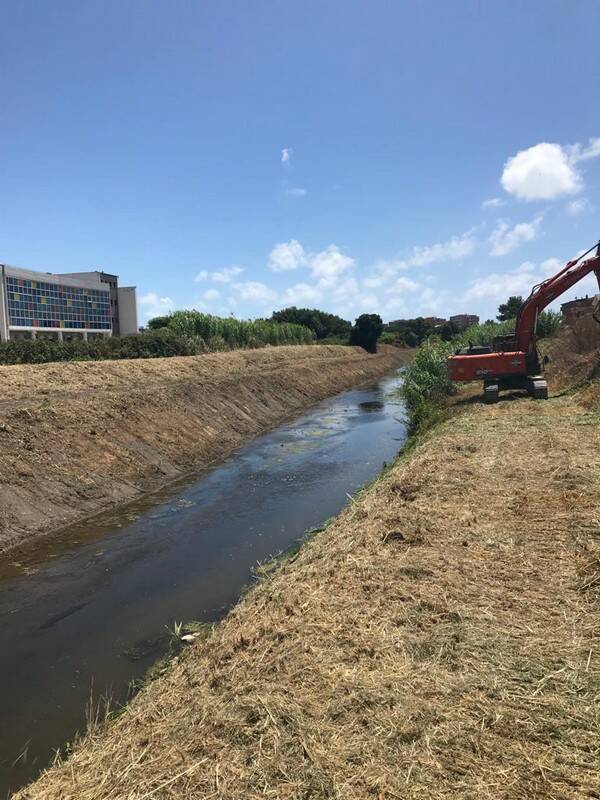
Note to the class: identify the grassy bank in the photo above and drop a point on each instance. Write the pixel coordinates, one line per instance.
(438, 639)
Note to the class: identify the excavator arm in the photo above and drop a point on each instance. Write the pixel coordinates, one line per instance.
(547, 291)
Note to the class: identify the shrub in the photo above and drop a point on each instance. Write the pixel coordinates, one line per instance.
(151, 344)
(426, 383)
(322, 324)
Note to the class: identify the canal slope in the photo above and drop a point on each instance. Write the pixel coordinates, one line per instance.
(438, 639)
(76, 438)
(89, 611)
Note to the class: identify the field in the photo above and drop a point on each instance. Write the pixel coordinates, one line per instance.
(82, 436)
(437, 640)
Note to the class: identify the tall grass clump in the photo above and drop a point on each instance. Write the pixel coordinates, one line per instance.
(426, 383)
(549, 323)
(223, 333)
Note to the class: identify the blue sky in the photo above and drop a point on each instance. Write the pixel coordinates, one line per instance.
(400, 157)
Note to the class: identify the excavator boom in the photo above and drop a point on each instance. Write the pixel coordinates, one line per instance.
(512, 362)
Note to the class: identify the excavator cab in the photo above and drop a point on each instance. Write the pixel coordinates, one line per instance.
(504, 344)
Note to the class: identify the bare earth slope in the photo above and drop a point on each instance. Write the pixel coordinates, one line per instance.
(78, 437)
(439, 640)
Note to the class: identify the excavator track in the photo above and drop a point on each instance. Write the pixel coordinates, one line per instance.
(491, 393)
(537, 387)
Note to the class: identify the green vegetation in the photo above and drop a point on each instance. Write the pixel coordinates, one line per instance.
(323, 325)
(366, 332)
(426, 383)
(510, 309)
(184, 333)
(223, 333)
(409, 332)
(152, 344)
(548, 323)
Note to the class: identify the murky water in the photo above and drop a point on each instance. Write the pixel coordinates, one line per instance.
(88, 611)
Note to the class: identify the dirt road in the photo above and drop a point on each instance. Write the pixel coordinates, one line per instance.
(78, 437)
(439, 639)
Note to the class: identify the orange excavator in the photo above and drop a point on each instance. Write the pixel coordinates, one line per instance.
(512, 362)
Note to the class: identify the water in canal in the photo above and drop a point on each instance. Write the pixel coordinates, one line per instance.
(90, 608)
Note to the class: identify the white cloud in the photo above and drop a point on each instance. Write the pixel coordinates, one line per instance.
(255, 292)
(576, 207)
(499, 286)
(454, 249)
(550, 267)
(286, 155)
(225, 275)
(287, 255)
(541, 172)
(434, 301)
(384, 272)
(578, 152)
(155, 306)
(493, 202)
(329, 264)
(505, 239)
(211, 294)
(325, 266)
(547, 170)
(405, 285)
(296, 192)
(302, 294)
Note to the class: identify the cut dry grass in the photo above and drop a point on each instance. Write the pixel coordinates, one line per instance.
(440, 639)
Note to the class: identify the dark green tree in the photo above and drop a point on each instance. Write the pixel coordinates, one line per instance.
(448, 331)
(366, 331)
(510, 309)
(411, 332)
(321, 322)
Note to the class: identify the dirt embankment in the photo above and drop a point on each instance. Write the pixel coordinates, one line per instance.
(574, 354)
(79, 437)
(439, 639)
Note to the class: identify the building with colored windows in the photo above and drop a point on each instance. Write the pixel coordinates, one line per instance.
(78, 305)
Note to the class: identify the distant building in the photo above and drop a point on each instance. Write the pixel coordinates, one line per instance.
(574, 309)
(434, 320)
(77, 305)
(462, 321)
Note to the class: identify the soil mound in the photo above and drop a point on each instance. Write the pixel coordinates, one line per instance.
(574, 354)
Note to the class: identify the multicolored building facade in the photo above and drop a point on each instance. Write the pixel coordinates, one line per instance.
(64, 306)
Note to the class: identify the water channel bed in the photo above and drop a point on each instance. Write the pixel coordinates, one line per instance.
(88, 611)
